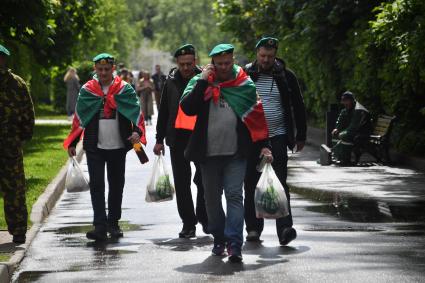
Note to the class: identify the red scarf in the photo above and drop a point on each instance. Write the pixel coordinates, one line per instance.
(214, 88)
(109, 99)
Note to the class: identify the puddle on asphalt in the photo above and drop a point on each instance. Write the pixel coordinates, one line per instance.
(30, 276)
(362, 209)
(184, 244)
(343, 229)
(82, 229)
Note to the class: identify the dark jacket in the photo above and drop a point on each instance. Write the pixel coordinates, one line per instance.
(170, 98)
(194, 104)
(158, 81)
(91, 133)
(353, 122)
(291, 97)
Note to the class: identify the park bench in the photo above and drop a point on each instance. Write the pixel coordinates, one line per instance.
(378, 143)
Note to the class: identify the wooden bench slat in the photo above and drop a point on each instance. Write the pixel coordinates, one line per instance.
(380, 131)
(383, 123)
(378, 141)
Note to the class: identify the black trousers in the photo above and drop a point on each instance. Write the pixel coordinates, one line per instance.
(115, 166)
(182, 174)
(280, 165)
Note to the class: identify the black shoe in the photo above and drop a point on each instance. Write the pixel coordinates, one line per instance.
(253, 236)
(218, 249)
(115, 232)
(287, 235)
(235, 253)
(19, 239)
(97, 234)
(188, 233)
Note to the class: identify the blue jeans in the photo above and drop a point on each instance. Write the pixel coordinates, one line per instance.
(224, 173)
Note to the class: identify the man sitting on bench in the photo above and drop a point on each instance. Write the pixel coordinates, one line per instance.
(353, 126)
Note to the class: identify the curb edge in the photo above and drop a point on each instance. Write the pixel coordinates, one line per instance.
(40, 211)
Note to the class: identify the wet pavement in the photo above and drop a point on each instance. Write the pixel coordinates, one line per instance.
(355, 224)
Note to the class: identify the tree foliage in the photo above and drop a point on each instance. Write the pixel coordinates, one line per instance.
(63, 33)
(186, 21)
(374, 48)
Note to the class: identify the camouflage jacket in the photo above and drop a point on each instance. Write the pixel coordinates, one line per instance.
(16, 111)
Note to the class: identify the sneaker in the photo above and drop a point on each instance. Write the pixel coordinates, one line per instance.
(115, 232)
(235, 253)
(187, 233)
(253, 236)
(97, 234)
(287, 235)
(19, 239)
(218, 250)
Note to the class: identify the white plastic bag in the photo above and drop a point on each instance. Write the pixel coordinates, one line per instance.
(75, 181)
(270, 198)
(160, 187)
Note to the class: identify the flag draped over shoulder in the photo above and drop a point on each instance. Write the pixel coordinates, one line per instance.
(121, 96)
(241, 94)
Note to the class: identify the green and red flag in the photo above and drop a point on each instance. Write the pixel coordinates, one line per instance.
(241, 94)
(121, 97)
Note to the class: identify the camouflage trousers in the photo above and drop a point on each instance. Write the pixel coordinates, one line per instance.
(12, 187)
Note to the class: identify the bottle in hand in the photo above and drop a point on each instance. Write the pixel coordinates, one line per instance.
(141, 154)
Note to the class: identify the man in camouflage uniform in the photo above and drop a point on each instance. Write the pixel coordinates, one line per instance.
(16, 127)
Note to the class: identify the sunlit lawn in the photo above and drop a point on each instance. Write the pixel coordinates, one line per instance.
(44, 111)
(4, 257)
(43, 158)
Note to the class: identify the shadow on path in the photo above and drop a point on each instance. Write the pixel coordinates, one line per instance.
(220, 266)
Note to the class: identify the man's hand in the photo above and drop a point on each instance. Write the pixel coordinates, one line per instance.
(300, 145)
(208, 70)
(158, 149)
(267, 154)
(134, 138)
(335, 132)
(71, 151)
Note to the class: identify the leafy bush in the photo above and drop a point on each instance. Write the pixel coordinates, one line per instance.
(373, 48)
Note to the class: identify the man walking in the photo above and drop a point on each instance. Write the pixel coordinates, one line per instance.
(108, 112)
(16, 127)
(176, 128)
(158, 81)
(282, 101)
(230, 118)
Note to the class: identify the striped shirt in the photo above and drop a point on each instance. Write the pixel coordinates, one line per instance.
(272, 104)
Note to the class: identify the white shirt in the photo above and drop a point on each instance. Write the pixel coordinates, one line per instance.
(109, 136)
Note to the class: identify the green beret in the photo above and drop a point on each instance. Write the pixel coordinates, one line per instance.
(104, 58)
(269, 42)
(184, 50)
(221, 49)
(4, 50)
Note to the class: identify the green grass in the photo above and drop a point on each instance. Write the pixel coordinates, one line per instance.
(44, 111)
(43, 157)
(4, 257)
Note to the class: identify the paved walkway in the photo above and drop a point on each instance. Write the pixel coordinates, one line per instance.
(357, 224)
(52, 122)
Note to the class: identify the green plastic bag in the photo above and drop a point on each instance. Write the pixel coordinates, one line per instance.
(160, 187)
(270, 198)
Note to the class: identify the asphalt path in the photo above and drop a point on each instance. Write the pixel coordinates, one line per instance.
(355, 224)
